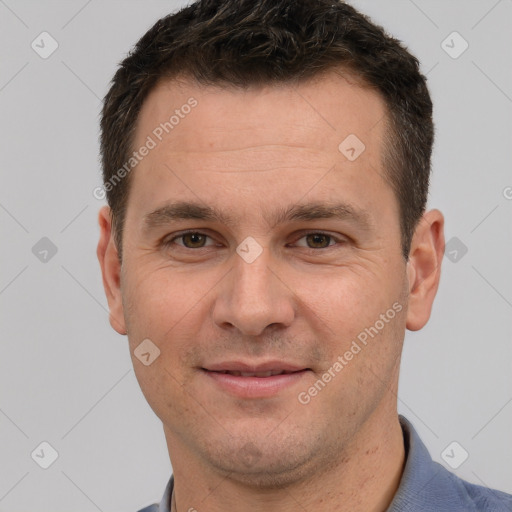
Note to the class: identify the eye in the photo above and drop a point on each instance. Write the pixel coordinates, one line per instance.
(190, 239)
(318, 240)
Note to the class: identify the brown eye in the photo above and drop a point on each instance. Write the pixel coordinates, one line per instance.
(193, 240)
(318, 240)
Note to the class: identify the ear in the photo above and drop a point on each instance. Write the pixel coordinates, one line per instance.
(424, 268)
(110, 270)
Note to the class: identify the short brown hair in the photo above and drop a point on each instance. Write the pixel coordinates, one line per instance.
(258, 42)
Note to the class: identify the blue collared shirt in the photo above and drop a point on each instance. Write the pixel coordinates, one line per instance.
(425, 486)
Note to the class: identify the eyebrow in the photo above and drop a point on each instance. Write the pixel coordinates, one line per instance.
(184, 210)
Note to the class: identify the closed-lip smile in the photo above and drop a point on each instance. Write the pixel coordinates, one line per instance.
(254, 380)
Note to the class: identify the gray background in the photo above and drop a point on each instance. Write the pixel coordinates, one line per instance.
(66, 376)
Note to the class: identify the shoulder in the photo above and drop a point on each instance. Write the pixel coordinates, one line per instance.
(443, 491)
(427, 486)
(483, 498)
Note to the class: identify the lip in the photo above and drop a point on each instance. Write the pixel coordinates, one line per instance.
(254, 387)
(241, 366)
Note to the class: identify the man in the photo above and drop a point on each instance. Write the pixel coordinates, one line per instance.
(265, 248)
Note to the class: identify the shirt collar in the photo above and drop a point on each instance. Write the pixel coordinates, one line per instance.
(165, 503)
(426, 485)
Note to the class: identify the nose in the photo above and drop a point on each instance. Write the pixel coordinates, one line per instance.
(254, 296)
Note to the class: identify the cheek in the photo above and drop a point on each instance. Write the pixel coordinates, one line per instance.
(159, 298)
(360, 324)
(361, 335)
(171, 309)
(347, 300)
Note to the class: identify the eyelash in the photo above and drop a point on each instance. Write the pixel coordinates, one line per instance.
(169, 242)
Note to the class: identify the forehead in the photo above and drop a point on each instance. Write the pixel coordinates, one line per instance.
(317, 113)
(277, 143)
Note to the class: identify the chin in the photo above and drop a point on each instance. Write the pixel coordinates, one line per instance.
(263, 477)
(264, 466)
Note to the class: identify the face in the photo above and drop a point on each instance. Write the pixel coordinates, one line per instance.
(261, 237)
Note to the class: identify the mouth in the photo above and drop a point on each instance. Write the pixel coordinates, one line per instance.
(254, 381)
(269, 373)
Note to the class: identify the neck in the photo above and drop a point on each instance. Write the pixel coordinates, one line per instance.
(364, 478)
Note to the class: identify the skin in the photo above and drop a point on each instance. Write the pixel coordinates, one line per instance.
(247, 152)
